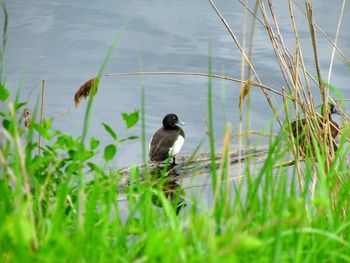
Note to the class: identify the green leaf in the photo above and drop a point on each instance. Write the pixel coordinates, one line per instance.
(130, 138)
(7, 124)
(131, 119)
(249, 243)
(94, 143)
(19, 105)
(95, 168)
(47, 123)
(335, 90)
(110, 130)
(4, 93)
(109, 152)
(41, 130)
(44, 130)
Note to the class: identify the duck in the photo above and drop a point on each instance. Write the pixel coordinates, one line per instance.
(168, 140)
(299, 128)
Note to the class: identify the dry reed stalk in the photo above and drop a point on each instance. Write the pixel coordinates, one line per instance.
(324, 34)
(41, 111)
(179, 73)
(224, 169)
(286, 66)
(250, 52)
(310, 18)
(291, 63)
(294, 146)
(307, 107)
(275, 44)
(285, 58)
(253, 13)
(3, 159)
(299, 57)
(268, 98)
(265, 26)
(240, 125)
(306, 73)
(335, 42)
(347, 60)
(85, 90)
(301, 64)
(323, 90)
(253, 133)
(298, 83)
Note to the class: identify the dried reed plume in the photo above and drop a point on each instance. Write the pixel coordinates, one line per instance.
(84, 91)
(26, 117)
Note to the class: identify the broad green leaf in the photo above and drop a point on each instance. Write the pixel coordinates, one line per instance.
(131, 119)
(44, 131)
(7, 124)
(109, 152)
(94, 143)
(110, 131)
(41, 130)
(4, 93)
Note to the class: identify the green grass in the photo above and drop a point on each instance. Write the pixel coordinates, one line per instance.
(51, 212)
(61, 217)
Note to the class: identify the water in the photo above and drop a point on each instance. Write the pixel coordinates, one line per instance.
(64, 42)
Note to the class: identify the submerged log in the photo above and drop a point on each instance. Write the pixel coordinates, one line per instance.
(188, 166)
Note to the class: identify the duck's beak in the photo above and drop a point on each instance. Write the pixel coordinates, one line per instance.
(336, 111)
(182, 123)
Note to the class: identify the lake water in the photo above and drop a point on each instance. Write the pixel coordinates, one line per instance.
(64, 42)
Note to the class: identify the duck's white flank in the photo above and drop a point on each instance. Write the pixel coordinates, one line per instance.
(177, 146)
(149, 144)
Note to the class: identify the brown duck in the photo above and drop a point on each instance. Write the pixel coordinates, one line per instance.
(299, 131)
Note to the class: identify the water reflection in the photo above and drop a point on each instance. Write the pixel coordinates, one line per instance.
(169, 186)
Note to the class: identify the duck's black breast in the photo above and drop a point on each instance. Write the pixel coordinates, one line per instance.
(162, 141)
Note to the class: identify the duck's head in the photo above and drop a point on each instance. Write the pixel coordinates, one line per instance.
(170, 120)
(331, 109)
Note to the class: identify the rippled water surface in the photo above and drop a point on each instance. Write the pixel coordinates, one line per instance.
(64, 42)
